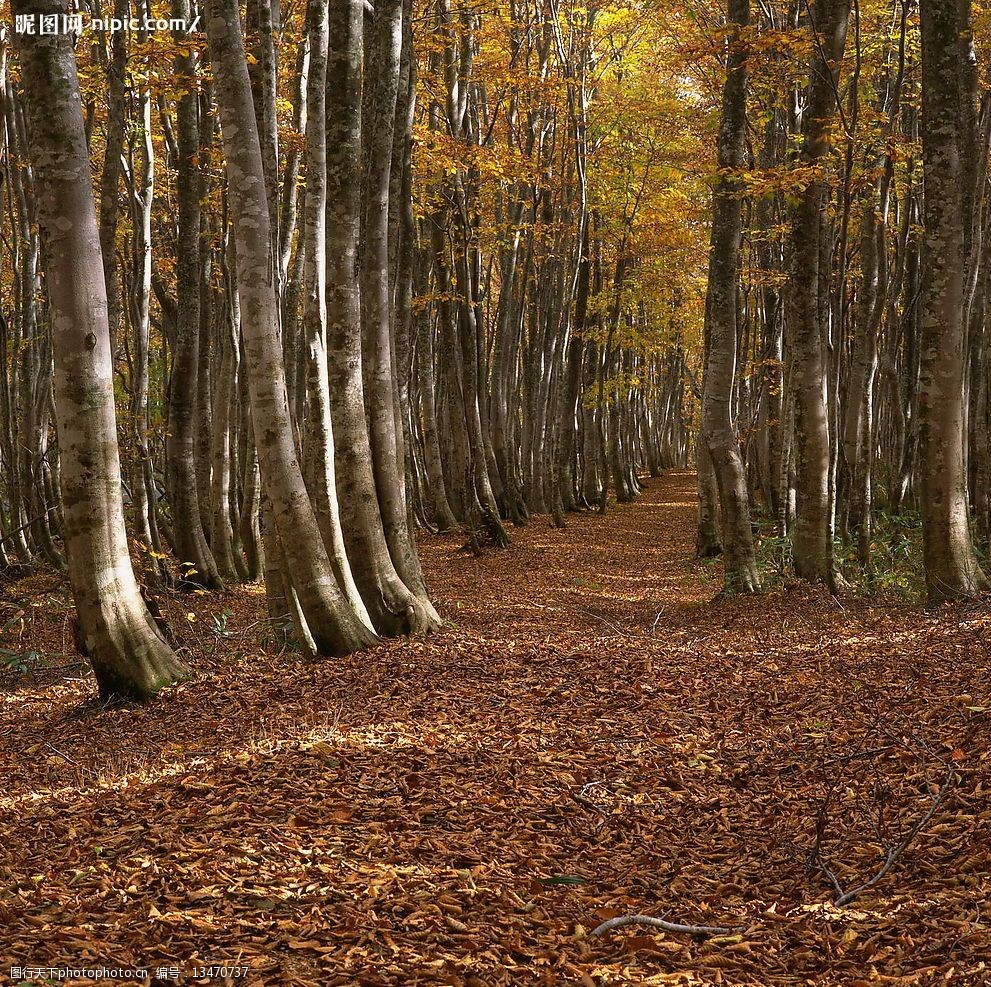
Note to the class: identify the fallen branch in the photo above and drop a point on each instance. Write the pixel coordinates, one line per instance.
(582, 799)
(896, 851)
(57, 751)
(659, 923)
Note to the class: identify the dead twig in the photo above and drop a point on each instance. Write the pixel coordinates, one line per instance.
(660, 923)
(846, 758)
(896, 851)
(582, 799)
(61, 754)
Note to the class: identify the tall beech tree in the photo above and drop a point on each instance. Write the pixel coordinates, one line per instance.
(718, 426)
(812, 540)
(185, 492)
(319, 468)
(952, 570)
(378, 343)
(130, 658)
(394, 605)
(330, 621)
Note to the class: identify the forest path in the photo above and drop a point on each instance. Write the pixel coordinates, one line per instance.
(592, 737)
(604, 574)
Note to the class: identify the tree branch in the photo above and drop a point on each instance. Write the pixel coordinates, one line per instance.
(659, 923)
(896, 851)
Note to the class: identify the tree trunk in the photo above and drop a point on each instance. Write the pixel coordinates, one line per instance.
(951, 566)
(130, 658)
(110, 178)
(384, 425)
(393, 606)
(813, 532)
(318, 442)
(719, 427)
(195, 558)
(333, 625)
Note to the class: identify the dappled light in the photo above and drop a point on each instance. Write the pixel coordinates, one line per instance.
(467, 808)
(495, 494)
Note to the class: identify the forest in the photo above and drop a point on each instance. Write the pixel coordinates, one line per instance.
(495, 492)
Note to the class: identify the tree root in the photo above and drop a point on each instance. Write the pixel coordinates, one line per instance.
(421, 617)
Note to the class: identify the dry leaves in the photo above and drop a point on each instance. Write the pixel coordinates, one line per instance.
(590, 737)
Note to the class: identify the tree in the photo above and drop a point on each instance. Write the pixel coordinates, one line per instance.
(718, 426)
(813, 532)
(333, 626)
(130, 658)
(951, 566)
(318, 443)
(394, 606)
(196, 559)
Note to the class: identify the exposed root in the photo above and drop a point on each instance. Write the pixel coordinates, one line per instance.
(421, 617)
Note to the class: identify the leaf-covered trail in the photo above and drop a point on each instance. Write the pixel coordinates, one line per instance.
(590, 737)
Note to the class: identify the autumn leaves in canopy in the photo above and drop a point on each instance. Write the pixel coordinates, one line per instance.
(349, 270)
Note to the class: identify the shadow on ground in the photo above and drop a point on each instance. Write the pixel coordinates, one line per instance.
(589, 737)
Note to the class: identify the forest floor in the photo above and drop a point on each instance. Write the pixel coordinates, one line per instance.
(591, 735)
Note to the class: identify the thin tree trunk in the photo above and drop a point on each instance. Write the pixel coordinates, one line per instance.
(196, 559)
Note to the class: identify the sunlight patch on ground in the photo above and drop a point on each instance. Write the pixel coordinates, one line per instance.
(462, 810)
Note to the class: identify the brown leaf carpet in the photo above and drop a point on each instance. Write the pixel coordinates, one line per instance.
(592, 735)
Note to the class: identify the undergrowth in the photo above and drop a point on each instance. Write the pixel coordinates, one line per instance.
(895, 568)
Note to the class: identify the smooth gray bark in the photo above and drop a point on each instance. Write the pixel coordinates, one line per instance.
(331, 622)
(812, 538)
(951, 566)
(394, 607)
(130, 658)
(719, 426)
